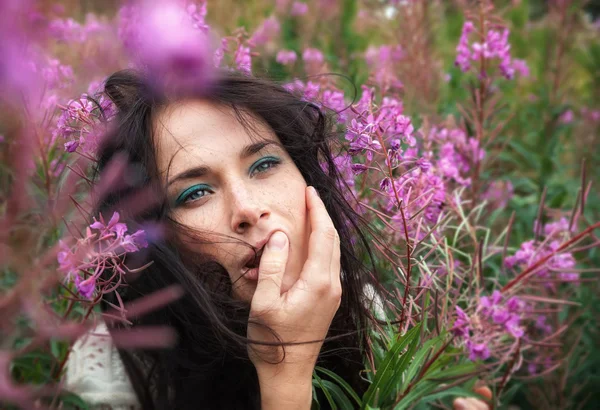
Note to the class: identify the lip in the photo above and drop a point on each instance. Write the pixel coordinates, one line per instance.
(252, 274)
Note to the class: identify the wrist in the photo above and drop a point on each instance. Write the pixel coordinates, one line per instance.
(285, 388)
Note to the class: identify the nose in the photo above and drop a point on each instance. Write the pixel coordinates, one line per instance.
(246, 210)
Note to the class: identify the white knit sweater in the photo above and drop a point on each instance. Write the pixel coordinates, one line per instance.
(95, 371)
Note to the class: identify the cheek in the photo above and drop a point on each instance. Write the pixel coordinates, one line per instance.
(208, 236)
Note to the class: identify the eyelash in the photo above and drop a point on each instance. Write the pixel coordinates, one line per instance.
(185, 196)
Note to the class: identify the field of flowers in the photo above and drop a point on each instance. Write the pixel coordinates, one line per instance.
(468, 138)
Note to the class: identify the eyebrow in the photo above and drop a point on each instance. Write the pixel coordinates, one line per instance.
(202, 170)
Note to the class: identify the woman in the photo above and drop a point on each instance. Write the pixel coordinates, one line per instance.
(258, 233)
(246, 178)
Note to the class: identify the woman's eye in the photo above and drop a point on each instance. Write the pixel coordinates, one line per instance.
(264, 164)
(192, 194)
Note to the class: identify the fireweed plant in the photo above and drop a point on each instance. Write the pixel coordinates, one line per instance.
(449, 128)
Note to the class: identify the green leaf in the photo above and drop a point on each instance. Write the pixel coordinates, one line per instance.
(338, 395)
(419, 360)
(341, 382)
(387, 371)
(72, 401)
(319, 382)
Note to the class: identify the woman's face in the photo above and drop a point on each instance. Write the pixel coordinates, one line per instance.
(224, 182)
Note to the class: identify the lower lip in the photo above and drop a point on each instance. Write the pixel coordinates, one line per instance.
(251, 274)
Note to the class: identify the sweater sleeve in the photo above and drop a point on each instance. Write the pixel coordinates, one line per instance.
(95, 372)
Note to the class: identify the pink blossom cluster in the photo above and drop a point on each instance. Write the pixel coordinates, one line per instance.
(70, 31)
(286, 57)
(494, 46)
(298, 8)
(559, 267)
(102, 248)
(80, 122)
(383, 62)
(430, 167)
(313, 60)
(267, 31)
(496, 319)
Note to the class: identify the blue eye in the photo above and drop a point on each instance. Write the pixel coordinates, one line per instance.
(264, 164)
(192, 194)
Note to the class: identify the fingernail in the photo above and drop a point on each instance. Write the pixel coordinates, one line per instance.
(277, 240)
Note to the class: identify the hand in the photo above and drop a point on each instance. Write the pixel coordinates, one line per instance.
(472, 403)
(303, 313)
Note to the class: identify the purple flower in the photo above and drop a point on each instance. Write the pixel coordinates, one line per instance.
(220, 53)
(163, 37)
(463, 52)
(86, 287)
(560, 226)
(365, 143)
(299, 9)
(266, 31)
(71, 146)
(243, 59)
(522, 256)
(359, 168)
(286, 57)
(541, 324)
(566, 117)
(512, 326)
(478, 351)
(461, 324)
(386, 184)
(312, 56)
(113, 226)
(134, 242)
(66, 260)
(521, 67)
(424, 164)
(311, 91)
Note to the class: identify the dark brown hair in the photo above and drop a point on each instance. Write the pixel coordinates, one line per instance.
(209, 365)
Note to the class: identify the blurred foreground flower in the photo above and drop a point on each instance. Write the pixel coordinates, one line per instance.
(171, 41)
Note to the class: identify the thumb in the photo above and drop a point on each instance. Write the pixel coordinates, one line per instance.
(272, 266)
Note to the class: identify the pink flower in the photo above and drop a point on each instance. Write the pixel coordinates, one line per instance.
(463, 52)
(567, 117)
(266, 31)
(71, 146)
(134, 242)
(243, 59)
(298, 9)
(66, 260)
(461, 324)
(286, 57)
(521, 67)
(359, 168)
(170, 43)
(478, 351)
(558, 227)
(312, 56)
(86, 287)
(113, 226)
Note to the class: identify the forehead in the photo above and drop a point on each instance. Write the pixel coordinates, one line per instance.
(196, 131)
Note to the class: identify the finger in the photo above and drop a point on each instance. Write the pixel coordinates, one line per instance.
(470, 403)
(271, 268)
(460, 404)
(484, 391)
(322, 237)
(477, 404)
(335, 268)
